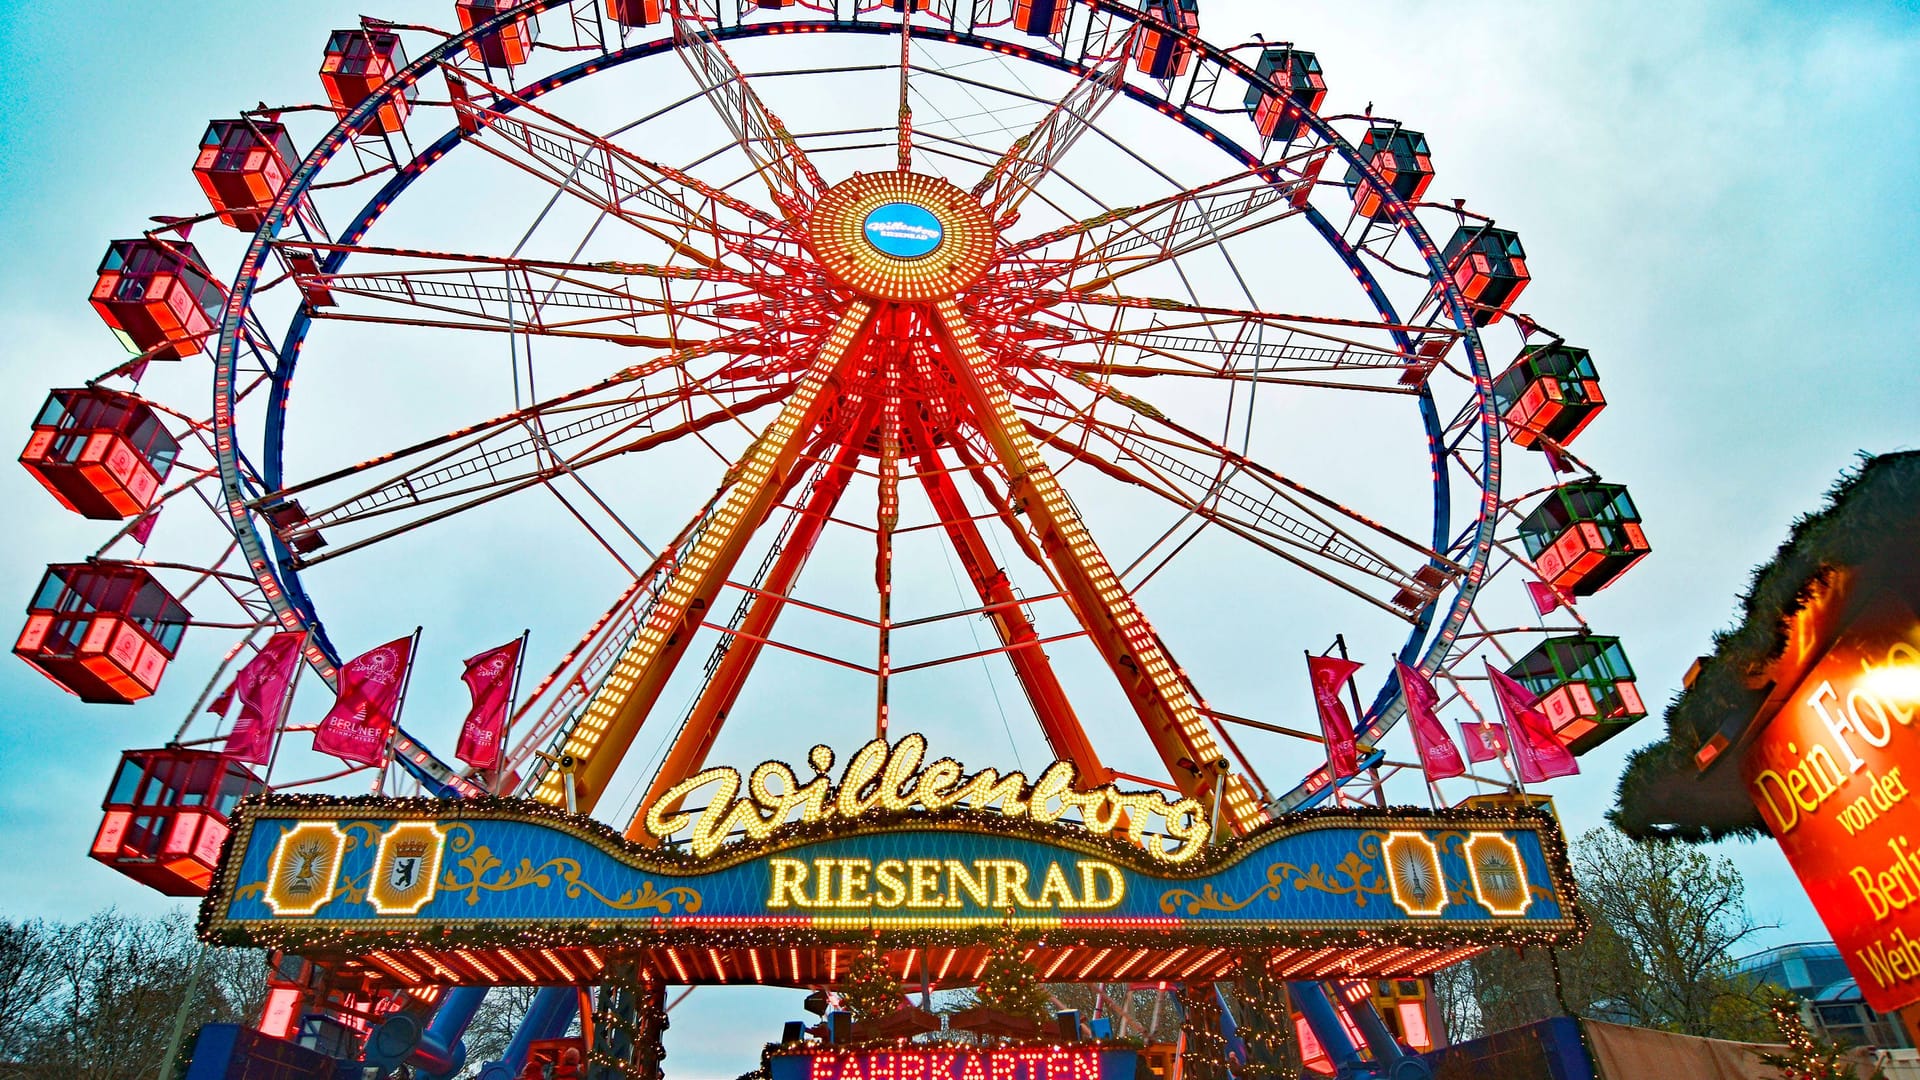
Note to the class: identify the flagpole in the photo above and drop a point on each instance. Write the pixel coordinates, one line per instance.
(506, 722)
(406, 680)
(286, 703)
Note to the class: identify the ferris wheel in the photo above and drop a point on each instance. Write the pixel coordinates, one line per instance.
(821, 364)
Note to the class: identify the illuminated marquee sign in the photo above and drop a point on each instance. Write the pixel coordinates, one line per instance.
(1834, 776)
(306, 870)
(890, 779)
(1019, 1063)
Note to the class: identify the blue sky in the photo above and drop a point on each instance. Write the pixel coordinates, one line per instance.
(1716, 199)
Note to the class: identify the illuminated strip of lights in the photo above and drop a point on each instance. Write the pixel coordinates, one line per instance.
(599, 965)
(1169, 686)
(560, 964)
(1198, 964)
(945, 964)
(438, 968)
(394, 966)
(691, 570)
(673, 957)
(478, 965)
(753, 957)
(794, 956)
(1307, 961)
(1057, 961)
(1093, 963)
(1171, 958)
(906, 969)
(981, 966)
(719, 966)
(1128, 963)
(526, 972)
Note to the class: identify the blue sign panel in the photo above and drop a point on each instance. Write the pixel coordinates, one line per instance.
(418, 869)
(904, 230)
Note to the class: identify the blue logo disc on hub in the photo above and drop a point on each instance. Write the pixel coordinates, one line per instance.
(904, 230)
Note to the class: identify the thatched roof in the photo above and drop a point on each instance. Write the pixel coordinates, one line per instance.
(1871, 510)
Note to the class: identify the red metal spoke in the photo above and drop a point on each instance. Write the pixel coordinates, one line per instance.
(626, 186)
(1121, 242)
(790, 177)
(1251, 500)
(1037, 153)
(625, 303)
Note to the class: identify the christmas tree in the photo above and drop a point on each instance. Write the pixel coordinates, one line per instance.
(1807, 1057)
(1011, 985)
(870, 992)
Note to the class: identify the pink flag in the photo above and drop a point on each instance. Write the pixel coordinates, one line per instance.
(357, 727)
(143, 529)
(489, 677)
(1329, 674)
(1485, 741)
(1537, 752)
(1556, 459)
(1546, 598)
(261, 688)
(1439, 758)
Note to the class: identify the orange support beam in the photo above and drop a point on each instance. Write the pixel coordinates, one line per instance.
(1031, 666)
(601, 737)
(690, 748)
(1168, 706)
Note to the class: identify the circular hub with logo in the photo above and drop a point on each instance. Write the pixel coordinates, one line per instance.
(902, 236)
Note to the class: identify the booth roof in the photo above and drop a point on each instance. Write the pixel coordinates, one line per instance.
(1871, 512)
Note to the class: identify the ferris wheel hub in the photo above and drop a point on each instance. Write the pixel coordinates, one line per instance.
(902, 237)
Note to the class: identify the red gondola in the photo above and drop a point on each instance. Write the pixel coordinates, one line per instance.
(1302, 87)
(102, 453)
(167, 815)
(1490, 267)
(1585, 686)
(1402, 160)
(1042, 18)
(1583, 535)
(158, 297)
(635, 12)
(1161, 55)
(510, 46)
(105, 631)
(242, 166)
(1550, 390)
(360, 62)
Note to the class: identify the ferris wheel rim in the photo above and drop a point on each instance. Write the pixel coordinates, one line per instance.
(273, 563)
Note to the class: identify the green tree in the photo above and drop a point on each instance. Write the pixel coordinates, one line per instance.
(1667, 918)
(869, 991)
(1010, 984)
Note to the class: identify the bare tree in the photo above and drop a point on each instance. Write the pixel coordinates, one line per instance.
(1667, 921)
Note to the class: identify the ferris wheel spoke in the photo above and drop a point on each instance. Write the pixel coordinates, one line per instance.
(664, 202)
(598, 734)
(1248, 346)
(1169, 707)
(630, 304)
(528, 455)
(1254, 502)
(1091, 254)
(790, 177)
(1038, 152)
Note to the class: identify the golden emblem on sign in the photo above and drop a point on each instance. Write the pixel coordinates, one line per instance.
(304, 867)
(1499, 877)
(405, 868)
(1413, 873)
